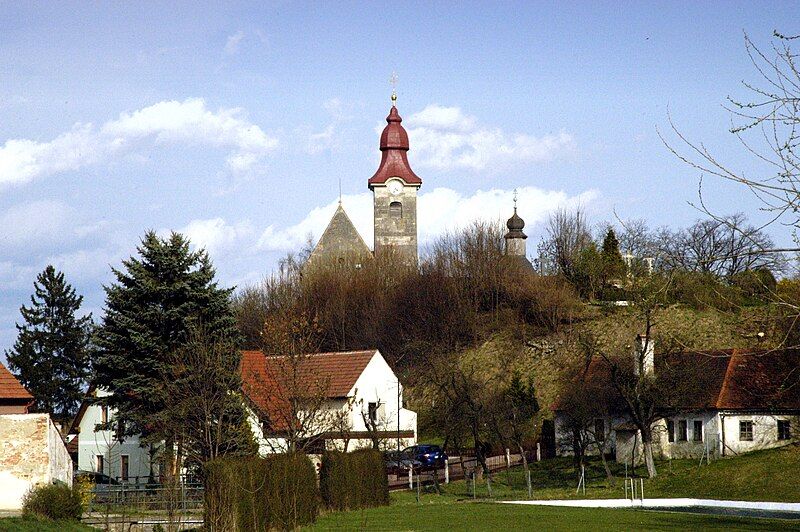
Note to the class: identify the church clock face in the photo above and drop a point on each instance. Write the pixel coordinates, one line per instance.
(395, 187)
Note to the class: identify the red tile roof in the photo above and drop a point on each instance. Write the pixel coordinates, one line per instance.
(733, 379)
(10, 388)
(270, 382)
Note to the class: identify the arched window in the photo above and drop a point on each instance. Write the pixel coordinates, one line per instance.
(395, 209)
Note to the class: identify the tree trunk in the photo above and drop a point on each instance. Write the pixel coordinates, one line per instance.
(647, 444)
(609, 475)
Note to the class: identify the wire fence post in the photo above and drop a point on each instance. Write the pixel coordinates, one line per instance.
(530, 487)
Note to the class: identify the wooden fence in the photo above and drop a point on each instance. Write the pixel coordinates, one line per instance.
(457, 468)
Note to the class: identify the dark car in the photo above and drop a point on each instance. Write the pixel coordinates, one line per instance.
(399, 462)
(96, 478)
(428, 455)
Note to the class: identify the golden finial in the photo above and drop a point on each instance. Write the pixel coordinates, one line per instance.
(393, 81)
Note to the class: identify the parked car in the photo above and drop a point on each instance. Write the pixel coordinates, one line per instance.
(428, 455)
(96, 478)
(399, 462)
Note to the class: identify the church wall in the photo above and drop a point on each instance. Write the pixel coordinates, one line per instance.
(516, 247)
(399, 232)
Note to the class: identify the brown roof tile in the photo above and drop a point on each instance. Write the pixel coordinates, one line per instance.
(11, 389)
(733, 379)
(271, 381)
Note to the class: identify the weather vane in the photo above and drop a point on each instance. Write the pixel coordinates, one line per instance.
(393, 81)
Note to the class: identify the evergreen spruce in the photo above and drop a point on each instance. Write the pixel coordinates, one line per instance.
(158, 298)
(613, 263)
(51, 354)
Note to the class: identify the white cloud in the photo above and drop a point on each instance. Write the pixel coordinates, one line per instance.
(188, 122)
(330, 137)
(439, 211)
(445, 138)
(232, 44)
(37, 222)
(216, 235)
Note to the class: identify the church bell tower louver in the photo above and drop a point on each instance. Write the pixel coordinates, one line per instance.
(394, 187)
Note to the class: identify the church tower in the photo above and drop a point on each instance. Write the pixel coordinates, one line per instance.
(515, 238)
(394, 187)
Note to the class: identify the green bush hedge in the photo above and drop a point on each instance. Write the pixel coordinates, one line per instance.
(54, 501)
(255, 494)
(354, 480)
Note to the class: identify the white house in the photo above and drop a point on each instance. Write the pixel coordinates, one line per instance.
(32, 450)
(351, 398)
(104, 451)
(743, 400)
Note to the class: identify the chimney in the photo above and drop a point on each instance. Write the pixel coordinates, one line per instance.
(644, 355)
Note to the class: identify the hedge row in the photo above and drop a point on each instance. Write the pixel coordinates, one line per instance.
(348, 481)
(255, 494)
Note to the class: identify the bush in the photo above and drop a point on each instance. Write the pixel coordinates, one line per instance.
(244, 494)
(349, 481)
(53, 501)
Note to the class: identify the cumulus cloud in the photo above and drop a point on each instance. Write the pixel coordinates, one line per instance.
(216, 235)
(445, 138)
(188, 122)
(439, 211)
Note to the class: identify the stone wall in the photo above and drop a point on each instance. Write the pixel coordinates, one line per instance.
(391, 230)
(31, 452)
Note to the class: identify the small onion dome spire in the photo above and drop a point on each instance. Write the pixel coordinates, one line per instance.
(515, 225)
(394, 152)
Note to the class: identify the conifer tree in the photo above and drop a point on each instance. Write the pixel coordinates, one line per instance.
(51, 354)
(158, 298)
(613, 264)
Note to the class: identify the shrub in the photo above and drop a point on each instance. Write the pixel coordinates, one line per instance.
(54, 501)
(353, 480)
(244, 494)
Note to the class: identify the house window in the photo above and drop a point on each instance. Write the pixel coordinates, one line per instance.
(395, 209)
(124, 467)
(670, 431)
(99, 463)
(600, 429)
(372, 409)
(697, 433)
(104, 414)
(120, 430)
(745, 431)
(784, 430)
(683, 430)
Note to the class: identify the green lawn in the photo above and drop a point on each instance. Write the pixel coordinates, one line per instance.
(25, 524)
(452, 516)
(765, 475)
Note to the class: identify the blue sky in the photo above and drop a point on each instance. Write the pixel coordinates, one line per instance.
(236, 122)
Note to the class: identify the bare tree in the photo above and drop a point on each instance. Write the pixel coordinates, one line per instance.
(206, 403)
(568, 234)
(722, 246)
(291, 395)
